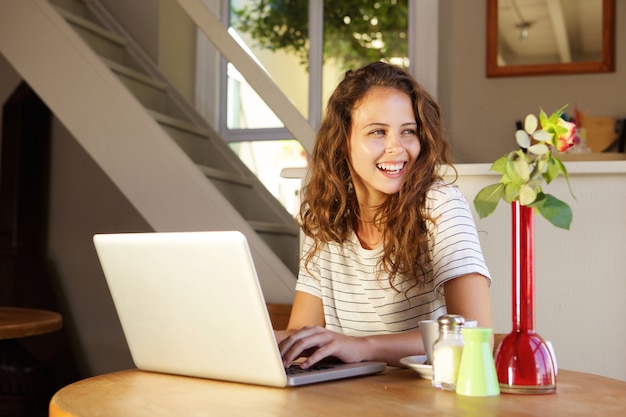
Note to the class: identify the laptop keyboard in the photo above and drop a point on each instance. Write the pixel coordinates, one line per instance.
(295, 369)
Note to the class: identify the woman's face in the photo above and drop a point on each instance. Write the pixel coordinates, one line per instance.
(383, 144)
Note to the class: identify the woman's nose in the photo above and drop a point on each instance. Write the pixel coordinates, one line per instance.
(393, 144)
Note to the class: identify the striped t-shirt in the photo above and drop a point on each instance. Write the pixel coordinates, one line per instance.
(357, 303)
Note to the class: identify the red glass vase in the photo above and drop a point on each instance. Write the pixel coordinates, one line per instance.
(523, 361)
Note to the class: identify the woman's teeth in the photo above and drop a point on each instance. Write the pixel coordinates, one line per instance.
(391, 168)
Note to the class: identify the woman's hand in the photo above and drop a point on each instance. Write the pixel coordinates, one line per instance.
(307, 337)
(317, 343)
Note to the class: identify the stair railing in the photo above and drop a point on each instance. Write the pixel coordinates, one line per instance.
(258, 79)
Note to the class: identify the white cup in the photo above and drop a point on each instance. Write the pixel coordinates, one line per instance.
(430, 333)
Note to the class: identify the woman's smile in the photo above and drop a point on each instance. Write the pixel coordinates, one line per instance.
(391, 168)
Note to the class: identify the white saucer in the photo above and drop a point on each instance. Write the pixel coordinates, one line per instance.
(417, 363)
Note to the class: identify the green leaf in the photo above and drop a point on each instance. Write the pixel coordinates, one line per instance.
(555, 211)
(543, 118)
(542, 166)
(500, 165)
(511, 192)
(522, 139)
(561, 167)
(559, 130)
(560, 111)
(530, 124)
(487, 199)
(539, 149)
(522, 169)
(542, 136)
(552, 172)
(527, 195)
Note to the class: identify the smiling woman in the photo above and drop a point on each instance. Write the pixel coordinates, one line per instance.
(544, 37)
(387, 242)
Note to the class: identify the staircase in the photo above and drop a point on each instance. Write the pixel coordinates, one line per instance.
(161, 154)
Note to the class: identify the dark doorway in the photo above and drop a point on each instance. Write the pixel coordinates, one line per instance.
(31, 368)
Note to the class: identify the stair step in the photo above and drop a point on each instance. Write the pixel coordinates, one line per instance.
(105, 43)
(191, 138)
(194, 140)
(112, 49)
(235, 188)
(282, 239)
(77, 7)
(150, 92)
(274, 228)
(180, 124)
(216, 174)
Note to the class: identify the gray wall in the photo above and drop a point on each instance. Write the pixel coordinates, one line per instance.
(480, 112)
(83, 201)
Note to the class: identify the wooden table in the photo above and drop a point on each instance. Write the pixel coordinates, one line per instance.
(16, 322)
(396, 392)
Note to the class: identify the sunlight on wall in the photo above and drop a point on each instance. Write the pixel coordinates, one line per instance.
(267, 159)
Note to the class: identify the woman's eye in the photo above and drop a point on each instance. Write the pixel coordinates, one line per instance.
(377, 132)
(410, 132)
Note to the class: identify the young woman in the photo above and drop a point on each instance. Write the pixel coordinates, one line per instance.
(387, 242)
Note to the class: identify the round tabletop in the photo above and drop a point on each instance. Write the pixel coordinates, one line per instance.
(397, 392)
(16, 322)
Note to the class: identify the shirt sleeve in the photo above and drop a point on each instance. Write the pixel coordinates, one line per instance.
(455, 247)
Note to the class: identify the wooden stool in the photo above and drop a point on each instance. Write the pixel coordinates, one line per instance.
(25, 386)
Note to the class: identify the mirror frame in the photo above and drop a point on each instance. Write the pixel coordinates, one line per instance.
(607, 64)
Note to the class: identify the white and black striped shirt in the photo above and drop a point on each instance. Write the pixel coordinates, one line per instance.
(357, 303)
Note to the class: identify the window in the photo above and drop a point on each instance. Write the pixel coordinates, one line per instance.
(354, 33)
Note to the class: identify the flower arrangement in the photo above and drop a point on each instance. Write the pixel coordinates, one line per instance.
(524, 171)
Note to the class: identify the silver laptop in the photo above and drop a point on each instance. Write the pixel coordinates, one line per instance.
(190, 304)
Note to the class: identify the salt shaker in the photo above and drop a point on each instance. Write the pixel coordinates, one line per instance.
(447, 352)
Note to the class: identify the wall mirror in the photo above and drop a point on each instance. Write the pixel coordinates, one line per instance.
(538, 37)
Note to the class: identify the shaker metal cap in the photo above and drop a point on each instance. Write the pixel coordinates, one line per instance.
(451, 322)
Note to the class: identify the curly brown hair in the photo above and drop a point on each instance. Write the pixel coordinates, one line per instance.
(329, 206)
